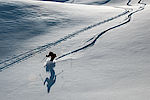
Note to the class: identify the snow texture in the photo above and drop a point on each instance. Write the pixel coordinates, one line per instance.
(102, 49)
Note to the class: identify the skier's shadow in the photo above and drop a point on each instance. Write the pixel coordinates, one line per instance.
(52, 79)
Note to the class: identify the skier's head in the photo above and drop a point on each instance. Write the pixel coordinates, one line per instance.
(52, 55)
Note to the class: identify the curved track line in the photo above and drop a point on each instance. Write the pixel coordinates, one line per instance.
(21, 57)
(100, 3)
(128, 3)
(111, 28)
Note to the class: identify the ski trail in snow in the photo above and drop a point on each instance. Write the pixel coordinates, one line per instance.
(19, 58)
(73, 1)
(142, 6)
(97, 2)
(23, 56)
(103, 2)
(128, 3)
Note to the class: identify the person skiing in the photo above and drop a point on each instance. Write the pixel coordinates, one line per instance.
(50, 64)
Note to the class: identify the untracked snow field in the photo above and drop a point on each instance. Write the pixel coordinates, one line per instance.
(102, 47)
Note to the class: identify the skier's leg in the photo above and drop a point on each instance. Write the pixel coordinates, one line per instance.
(52, 74)
(46, 80)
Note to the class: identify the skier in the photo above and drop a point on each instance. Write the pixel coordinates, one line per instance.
(50, 64)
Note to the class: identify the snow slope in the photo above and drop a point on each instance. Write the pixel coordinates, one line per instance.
(53, 22)
(115, 66)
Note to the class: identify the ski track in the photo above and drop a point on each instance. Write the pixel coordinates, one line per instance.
(128, 3)
(142, 5)
(24, 56)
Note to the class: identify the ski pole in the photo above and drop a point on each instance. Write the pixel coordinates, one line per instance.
(41, 77)
(43, 59)
(59, 73)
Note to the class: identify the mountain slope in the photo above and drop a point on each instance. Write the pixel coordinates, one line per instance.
(115, 67)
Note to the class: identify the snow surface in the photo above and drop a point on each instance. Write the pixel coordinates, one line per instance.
(102, 50)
